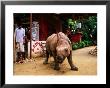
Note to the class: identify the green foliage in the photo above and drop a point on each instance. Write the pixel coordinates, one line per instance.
(72, 24)
(89, 27)
(81, 44)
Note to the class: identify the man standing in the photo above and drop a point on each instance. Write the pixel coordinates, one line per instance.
(20, 38)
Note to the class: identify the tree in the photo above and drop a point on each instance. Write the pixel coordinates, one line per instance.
(89, 28)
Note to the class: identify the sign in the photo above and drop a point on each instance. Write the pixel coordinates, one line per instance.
(37, 48)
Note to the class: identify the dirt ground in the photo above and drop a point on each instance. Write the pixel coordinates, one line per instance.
(86, 63)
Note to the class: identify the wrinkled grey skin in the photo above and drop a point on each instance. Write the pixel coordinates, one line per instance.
(59, 46)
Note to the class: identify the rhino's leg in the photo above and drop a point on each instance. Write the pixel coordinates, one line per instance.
(73, 67)
(56, 67)
(47, 56)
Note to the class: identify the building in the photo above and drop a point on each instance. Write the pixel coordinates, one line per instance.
(49, 23)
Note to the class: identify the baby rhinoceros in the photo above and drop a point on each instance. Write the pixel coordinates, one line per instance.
(59, 46)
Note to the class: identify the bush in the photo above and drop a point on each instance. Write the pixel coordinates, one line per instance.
(81, 44)
(75, 47)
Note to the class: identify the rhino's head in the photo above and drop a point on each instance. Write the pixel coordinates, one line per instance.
(62, 53)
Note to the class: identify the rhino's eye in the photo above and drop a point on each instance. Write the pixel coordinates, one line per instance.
(66, 49)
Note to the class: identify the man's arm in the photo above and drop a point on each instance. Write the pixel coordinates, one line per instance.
(23, 32)
(23, 35)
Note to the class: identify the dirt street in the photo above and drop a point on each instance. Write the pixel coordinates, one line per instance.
(86, 63)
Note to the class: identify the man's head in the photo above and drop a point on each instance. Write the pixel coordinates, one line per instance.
(19, 25)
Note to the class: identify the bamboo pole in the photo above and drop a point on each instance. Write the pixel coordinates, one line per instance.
(30, 34)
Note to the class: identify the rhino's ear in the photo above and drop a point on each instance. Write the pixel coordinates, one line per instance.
(69, 41)
(58, 36)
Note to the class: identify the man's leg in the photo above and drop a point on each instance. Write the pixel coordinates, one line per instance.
(22, 51)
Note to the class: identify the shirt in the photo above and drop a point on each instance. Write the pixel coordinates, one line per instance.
(19, 33)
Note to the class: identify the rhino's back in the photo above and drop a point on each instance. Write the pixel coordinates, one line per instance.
(63, 36)
(51, 42)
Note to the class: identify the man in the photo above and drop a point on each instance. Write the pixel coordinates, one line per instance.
(19, 35)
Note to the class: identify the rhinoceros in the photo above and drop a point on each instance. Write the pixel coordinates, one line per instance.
(59, 46)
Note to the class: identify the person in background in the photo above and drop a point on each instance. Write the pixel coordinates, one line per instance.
(26, 42)
(20, 38)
